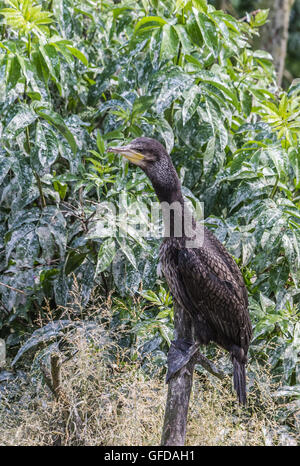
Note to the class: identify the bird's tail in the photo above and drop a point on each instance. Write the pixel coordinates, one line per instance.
(239, 375)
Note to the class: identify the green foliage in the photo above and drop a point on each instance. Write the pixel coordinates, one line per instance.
(25, 16)
(102, 74)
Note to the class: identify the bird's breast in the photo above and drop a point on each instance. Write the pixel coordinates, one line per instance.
(169, 265)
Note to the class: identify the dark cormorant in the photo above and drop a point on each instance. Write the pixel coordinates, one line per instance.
(204, 280)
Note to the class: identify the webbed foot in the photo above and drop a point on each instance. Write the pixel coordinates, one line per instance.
(180, 353)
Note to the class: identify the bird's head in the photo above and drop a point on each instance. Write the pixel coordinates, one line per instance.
(151, 156)
(144, 152)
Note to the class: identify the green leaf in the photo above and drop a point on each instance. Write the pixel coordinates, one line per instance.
(46, 144)
(169, 43)
(167, 133)
(209, 154)
(247, 102)
(260, 18)
(142, 104)
(171, 90)
(128, 252)
(60, 188)
(23, 245)
(283, 105)
(14, 72)
(50, 331)
(208, 32)
(292, 253)
(78, 54)
(210, 78)
(106, 255)
(294, 87)
(193, 30)
(47, 242)
(187, 45)
(100, 143)
(74, 260)
(149, 22)
(50, 57)
(191, 103)
(20, 121)
(56, 120)
(201, 5)
(5, 165)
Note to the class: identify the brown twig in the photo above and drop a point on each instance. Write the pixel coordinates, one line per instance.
(252, 13)
(209, 366)
(70, 416)
(4, 308)
(12, 288)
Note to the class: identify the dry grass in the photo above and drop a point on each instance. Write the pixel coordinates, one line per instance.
(99, 398)
(105, 403)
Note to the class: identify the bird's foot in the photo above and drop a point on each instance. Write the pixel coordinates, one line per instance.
(180, 353)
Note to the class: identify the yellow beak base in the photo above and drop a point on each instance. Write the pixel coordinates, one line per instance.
(128, 153)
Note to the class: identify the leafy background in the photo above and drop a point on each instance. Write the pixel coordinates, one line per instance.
(77, 77)
(292, 63)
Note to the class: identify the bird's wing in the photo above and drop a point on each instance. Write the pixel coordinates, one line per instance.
(213, 291)
(227, 258)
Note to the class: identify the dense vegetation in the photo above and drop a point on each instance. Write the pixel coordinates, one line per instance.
(79, 76)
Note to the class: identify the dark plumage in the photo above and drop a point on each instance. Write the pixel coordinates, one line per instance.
(204, 280)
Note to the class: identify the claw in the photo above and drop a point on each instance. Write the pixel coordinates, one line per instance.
(180, 353)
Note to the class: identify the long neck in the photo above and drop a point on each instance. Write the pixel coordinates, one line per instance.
(177, 218)
(168, 190)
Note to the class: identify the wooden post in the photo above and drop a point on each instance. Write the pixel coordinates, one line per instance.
(180, 385)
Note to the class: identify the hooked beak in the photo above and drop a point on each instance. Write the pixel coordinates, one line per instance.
(129, 153)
